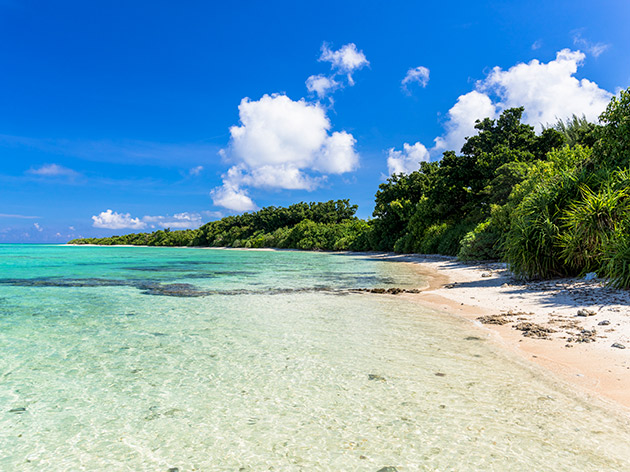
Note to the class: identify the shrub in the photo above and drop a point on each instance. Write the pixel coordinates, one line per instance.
(450, 242)
(532, 243)
(480, 244)
(617, 259)
(430, 241)
(588, 224)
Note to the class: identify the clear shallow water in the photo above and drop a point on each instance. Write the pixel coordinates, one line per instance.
(102, 373)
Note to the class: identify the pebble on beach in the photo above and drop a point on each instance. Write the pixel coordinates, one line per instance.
(586, 312)
(376, 377)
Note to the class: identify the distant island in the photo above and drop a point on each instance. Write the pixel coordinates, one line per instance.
(551, 204)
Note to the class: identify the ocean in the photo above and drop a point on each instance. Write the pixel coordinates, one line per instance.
(158, 359)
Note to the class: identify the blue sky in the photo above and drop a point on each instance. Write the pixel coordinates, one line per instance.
(176, 113)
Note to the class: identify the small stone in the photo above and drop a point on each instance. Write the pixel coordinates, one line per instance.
(586, 312)
(389, 468)
(604, 323)
(18, 410)
(173, 469)
(440, 374)
(618, 346)
(376, 377)
(486, 274)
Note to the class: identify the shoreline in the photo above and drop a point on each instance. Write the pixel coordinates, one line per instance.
(540, 321)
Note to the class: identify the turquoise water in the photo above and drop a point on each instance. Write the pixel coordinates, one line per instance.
(153, 358)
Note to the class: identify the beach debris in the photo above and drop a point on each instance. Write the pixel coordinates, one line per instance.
(604, 323)
(584, 336)
(590, 276)
(566, 324)
(486, 274)
(389, 291)
(450, 286)
(389, 468)
(173, 469)
(18, 410)
(440, 374)
(380, 378)
(495, 319)
(586, 312)
(473, 338)
(618, 346)
(533, 330)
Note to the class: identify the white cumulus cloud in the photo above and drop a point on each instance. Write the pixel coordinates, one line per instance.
(232, 198)
(461, 119)
(407, 160)
(113, 220)
(321, 85)
(343, 63)
(548, 92)
(337, 155)
(279, 144)
(346, 60)
(418, 75)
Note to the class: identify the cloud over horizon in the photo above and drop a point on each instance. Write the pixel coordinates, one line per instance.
(113, 220)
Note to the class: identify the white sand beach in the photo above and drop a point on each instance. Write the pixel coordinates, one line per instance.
(579, 330)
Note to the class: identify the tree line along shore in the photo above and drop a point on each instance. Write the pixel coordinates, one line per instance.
(551, 204)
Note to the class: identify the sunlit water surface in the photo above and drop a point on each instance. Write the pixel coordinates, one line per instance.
(265, 361)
